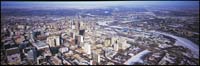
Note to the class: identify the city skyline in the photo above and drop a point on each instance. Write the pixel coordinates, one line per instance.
(94, 4)
(100, 33)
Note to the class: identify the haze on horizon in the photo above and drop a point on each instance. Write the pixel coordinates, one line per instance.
(93, 4)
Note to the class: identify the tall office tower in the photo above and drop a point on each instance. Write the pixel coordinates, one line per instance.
(31, 37)
(107, 42)
(75, 24)
(81, 38)
(36, 33)
(57, 40)
(10, 33)
(79, 25)
(87, 48)
(82, 32)
(116, 47)
(72, 24)
(115, 43)
(82, 25)
(95, 58)
(114, 40)
(64, 38)
(53, 41)
(122, 44)
(78, 39)
(72, 35)
(61, 40)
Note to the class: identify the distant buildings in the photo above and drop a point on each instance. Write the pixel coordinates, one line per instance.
(121, 38)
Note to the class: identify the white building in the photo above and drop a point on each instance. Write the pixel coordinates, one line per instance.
(40, 45)
(123, 45)
(87, 48)
(116, 47)
(53, 41)
(95, 58)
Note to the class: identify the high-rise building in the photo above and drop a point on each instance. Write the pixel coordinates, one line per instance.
(73, 27)
(53, 41)
(79, 39)
(77, 25)
(87, 48)
(123, 44)
(35, 34)
(95, 58)
(116, 46)
(76, 40)
(11, 33)
(31, 37)
(82, 32)
(72, 24)
(82, 25)
(114, 40)
(107, 42)
(64, 38)
(72, 35)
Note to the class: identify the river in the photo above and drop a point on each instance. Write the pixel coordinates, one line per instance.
(183, 42)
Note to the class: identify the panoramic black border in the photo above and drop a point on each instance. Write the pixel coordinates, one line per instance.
(99, 0)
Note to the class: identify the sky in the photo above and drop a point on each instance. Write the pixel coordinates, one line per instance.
(90, 4)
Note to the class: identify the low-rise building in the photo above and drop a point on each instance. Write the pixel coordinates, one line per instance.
(13, 56)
